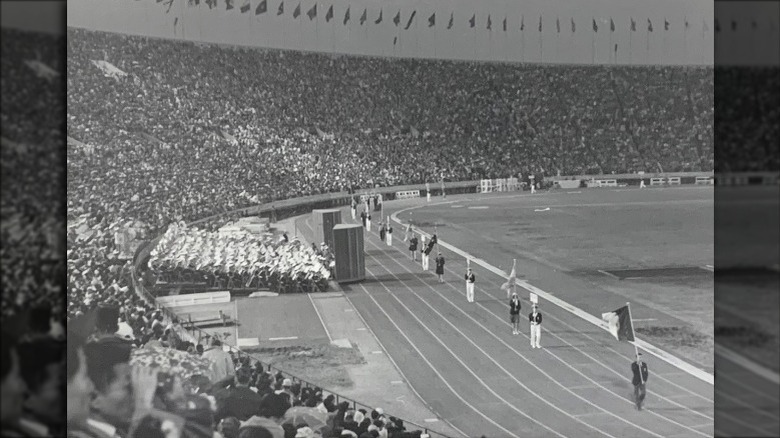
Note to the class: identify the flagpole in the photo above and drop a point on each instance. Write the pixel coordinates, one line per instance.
(630, 49)
(633, 333)
(593, 52)
(522, 45)
(541, 49)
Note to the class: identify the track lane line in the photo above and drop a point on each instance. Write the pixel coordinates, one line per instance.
(433, 368)
(474, 374)
(403, 376)
(531, 363)
(596, 361)
(666, 357)
(655, 351)
(517, 353)
(602, 364)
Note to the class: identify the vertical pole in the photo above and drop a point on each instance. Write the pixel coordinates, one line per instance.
(633, 333)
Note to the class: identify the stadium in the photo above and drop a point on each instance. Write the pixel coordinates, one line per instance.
(245, 179)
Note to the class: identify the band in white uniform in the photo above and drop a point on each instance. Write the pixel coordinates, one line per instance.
(535, 319)
(470, 279)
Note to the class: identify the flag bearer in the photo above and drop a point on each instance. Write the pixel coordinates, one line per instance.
(535, 318)
(639, 380)
(470, 280)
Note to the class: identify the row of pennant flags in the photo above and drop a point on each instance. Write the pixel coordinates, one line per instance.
(262, 8)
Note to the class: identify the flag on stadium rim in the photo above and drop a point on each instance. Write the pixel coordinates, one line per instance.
(620, 324)
(262, 7)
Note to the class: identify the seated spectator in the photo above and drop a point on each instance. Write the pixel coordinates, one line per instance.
(12, 389)
(108, 365)
(79, 388)
(42, 362)
(238, 400)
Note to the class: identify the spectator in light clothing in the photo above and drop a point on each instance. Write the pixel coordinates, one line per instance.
(221, 363)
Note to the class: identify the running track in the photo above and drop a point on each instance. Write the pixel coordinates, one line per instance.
(464, 362)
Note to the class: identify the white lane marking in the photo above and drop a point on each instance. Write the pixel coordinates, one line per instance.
(708, 268)
(589, 414)
(376, 352)
(598, 322)
(284, 338)
(609, 274)
(349, 310)
(655, 351)
(747, 364)
(330, 339)
(425, 359)
(479, 207)
(643, 319)
(558, 358)
(396, 382)
(431, 420)
(457, 358)
(612, 370)
(361, 329)
(542, 209)
(395, 365)
(456, 206)
(458, 308)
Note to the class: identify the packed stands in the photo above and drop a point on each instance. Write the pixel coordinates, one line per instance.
(170, 132)
(32, 258)
(747, 110)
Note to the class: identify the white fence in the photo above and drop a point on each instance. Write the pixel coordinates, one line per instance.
(194, 299)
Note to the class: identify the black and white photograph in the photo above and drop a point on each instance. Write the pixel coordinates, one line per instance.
(32, 243)
(199, 199)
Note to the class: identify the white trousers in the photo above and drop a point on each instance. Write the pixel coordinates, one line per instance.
(470, 292)
(533, 189)
(354, 213)
(368, 225)
(536, 334)
(641, 183)
(425, 262)
(389, 239)
(429, 196)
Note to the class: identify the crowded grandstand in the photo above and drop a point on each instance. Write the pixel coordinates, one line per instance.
(155, 144)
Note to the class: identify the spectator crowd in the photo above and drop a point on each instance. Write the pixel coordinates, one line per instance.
(170, 142)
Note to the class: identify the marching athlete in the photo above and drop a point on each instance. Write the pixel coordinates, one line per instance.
(470, 280)
(639, 380)
(535, 318)
(423, 253)
(413, 247)
(440, 267)
(514, 313)
(389, 233)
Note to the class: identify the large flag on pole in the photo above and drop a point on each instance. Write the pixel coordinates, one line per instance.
(620, 324)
